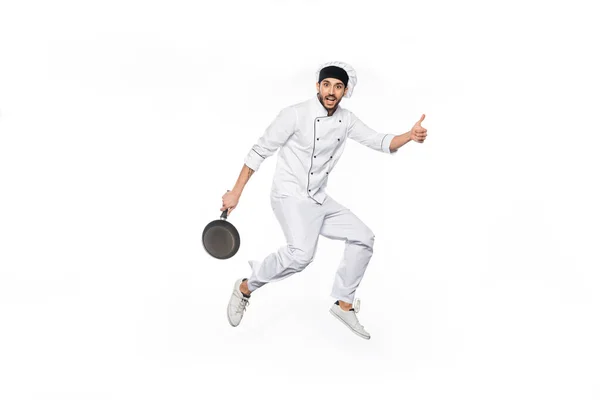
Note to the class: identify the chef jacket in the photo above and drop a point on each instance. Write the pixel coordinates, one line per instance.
(310, 143)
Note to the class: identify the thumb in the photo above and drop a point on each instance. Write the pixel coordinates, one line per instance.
(421, 120)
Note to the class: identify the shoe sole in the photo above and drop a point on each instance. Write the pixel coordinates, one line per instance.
(229, 319)
(348, 326)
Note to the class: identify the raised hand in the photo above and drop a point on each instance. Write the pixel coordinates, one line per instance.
(418, 133)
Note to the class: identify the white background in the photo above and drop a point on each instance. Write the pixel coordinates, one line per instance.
(122, 123)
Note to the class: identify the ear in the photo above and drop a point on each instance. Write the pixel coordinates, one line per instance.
(346, 90)
(317, 86)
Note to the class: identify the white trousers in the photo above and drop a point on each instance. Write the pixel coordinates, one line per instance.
(302, 221)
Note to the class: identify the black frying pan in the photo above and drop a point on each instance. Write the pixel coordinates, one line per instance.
(220, 238)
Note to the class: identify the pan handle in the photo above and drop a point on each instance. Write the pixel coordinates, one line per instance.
(224, 214)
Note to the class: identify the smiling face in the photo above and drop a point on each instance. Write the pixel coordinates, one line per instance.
(330, 92)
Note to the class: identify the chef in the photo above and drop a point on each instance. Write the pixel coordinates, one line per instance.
(311, 137)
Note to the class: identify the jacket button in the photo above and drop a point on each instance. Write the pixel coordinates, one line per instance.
(311, 173)
(331, 157)
(340, 120)
(318, 120)
(315, 156)
(338, 140)
(309, 190)
(327, 173)
(317, 138)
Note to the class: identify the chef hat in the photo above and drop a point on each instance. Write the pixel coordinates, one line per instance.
(346, 67)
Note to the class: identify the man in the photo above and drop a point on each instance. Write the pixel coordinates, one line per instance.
(311, 137)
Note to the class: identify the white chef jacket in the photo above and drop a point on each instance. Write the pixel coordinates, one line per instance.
(310, 143)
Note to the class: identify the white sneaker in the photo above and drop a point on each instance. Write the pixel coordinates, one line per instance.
(237, 304)
(349, 319)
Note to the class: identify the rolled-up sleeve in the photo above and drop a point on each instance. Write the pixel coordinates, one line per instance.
(366, 136)
(274, 137)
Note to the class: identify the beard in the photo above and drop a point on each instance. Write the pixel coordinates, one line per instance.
(335, 104)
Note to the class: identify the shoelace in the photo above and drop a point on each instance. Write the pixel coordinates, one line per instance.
(242, 305)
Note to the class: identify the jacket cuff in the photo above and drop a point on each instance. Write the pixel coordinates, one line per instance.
(385, 144)
(253, 160)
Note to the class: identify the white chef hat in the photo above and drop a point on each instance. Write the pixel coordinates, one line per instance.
(349, 70)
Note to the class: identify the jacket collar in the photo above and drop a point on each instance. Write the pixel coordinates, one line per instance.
(322, 111)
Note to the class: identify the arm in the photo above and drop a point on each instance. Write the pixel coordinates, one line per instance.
(245, 175)
(232, 197)
(274, 137)
(366, 136)
(399, 141)
(386, 143)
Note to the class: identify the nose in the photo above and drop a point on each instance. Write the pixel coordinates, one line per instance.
(331, 90)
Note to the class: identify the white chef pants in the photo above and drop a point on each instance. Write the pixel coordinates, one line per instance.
(302, 221)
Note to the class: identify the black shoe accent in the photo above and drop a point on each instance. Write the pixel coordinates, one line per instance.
(338, 303)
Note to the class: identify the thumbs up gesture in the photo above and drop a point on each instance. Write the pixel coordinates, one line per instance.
(418, 133)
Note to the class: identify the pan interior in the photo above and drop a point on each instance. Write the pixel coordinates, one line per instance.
(219, 241)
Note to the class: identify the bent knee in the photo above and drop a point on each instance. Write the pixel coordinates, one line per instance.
(370, 239)
(366, 238)
(301, 257)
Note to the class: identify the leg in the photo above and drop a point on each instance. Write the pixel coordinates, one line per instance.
(301, 221)
(341, 224)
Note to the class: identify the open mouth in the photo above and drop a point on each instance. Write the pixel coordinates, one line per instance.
(330, 99)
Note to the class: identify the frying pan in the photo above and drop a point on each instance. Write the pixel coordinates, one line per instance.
(220, 238)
